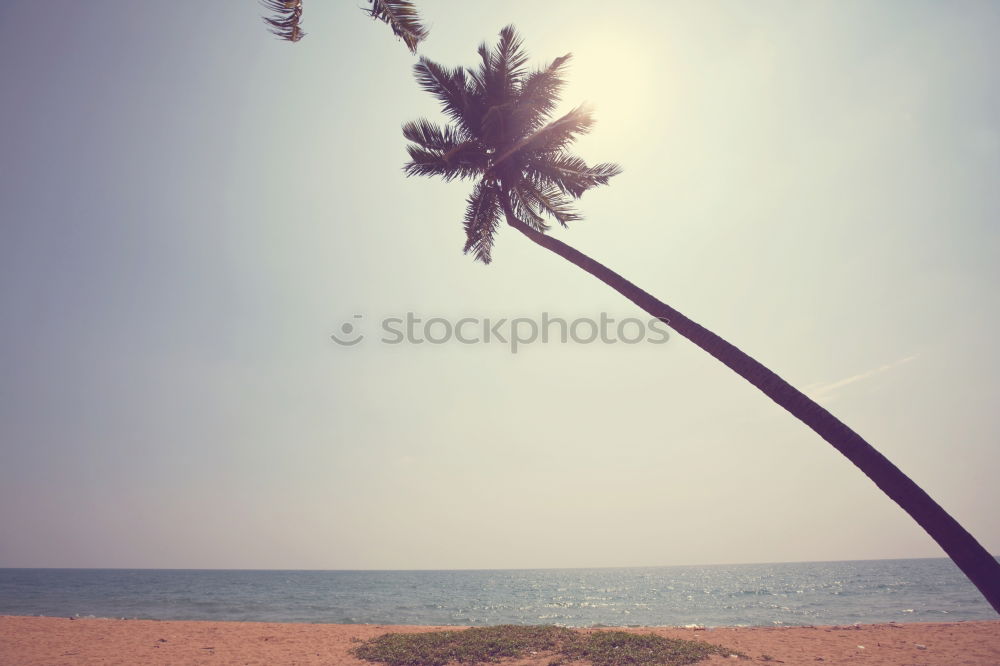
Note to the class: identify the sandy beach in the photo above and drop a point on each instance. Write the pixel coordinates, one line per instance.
(33, 640)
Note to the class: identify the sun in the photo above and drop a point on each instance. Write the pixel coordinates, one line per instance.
(614, 73)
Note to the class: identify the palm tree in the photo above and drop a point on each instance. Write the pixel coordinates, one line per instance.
(502, 136)
(400, 15)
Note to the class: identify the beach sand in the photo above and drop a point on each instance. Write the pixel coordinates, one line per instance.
(35, 640)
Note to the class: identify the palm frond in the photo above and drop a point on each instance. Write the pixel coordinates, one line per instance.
(434, 137)
(547, 199)
(570, 173)
(551, 139)
(450, 87)
(508, 60)
(464, 160)
(560, 133)
(539, 94)
(482, 216)
(501, 67)
(478, 77)
(402, 17)
(525, 212)
(287, 15)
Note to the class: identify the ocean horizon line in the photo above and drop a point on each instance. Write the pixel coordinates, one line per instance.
(479, 569)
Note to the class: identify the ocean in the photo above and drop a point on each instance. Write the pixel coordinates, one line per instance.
(924, 590)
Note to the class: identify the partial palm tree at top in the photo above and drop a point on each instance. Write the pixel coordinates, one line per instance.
(400, 15)
(502, 136)
(285, 19)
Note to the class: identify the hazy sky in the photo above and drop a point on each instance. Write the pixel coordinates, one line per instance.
(190, 208)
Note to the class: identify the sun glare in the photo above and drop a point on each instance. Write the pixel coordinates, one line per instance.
(611, 71)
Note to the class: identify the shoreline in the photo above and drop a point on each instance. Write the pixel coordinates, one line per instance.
(36, 641)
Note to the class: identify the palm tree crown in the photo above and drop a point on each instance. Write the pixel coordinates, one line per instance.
(502, 135)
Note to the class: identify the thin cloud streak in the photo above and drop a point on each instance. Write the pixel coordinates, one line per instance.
(827, 392)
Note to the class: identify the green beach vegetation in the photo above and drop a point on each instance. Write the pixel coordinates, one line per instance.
(491, 644)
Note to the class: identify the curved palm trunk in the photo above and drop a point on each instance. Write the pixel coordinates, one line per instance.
(981, 567)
